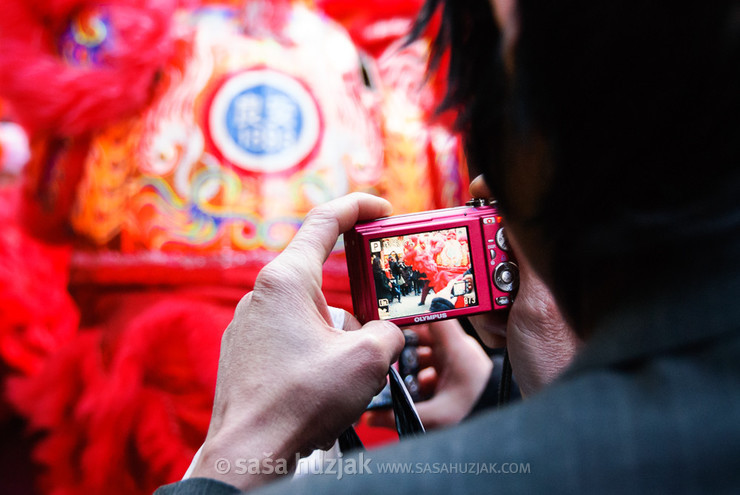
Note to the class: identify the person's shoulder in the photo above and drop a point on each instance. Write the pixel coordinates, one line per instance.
(197, 486)
(665, 422)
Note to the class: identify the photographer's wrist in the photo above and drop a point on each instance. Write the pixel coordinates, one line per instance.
(249, 452)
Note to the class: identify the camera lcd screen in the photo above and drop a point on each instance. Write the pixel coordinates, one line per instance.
(425, 272)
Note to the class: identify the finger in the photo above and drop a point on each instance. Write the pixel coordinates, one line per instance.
(436, 412)
(447, 335)
(425, 356)
(322, 226)
(428, 380)
(478, 188)
(383, 418)
(422, 332)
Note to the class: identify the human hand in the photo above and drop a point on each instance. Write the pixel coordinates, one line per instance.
(288, 380)
(539, 341)
(454, 368)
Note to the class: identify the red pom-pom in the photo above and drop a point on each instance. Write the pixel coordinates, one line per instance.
(126, 405)
(70, 66)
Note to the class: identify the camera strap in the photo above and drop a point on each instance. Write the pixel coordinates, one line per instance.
(504, 387)
(408, 422)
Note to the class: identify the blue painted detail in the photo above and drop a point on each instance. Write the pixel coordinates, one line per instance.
(263, 120)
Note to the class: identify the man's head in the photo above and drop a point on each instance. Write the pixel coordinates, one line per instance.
(608, 131)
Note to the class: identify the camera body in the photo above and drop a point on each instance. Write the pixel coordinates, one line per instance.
(438, 264)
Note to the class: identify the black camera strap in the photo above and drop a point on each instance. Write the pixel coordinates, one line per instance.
(504, 387)
(349, 440)
(408, 422)
(505, 383)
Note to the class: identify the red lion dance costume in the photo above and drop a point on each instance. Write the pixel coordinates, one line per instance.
(175, 149)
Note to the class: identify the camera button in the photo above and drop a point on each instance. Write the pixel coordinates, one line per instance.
(501, 239)
(476, 202)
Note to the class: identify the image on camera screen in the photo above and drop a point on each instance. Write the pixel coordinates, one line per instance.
(420, 273)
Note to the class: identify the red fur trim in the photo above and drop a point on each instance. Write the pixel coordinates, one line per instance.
(37, 314)
(50, 94)
(125, 406)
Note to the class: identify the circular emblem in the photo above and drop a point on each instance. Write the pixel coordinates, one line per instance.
(264, 121)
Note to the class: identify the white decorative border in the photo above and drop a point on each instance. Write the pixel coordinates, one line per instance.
(277, 162)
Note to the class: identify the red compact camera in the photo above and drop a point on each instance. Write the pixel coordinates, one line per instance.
(429, 266)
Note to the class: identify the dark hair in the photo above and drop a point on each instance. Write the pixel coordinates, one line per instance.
(638, 103)
(476, 84)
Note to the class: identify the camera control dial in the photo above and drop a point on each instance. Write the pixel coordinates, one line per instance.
(506, 276)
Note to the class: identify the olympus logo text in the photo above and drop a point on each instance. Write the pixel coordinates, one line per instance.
(438, 316)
